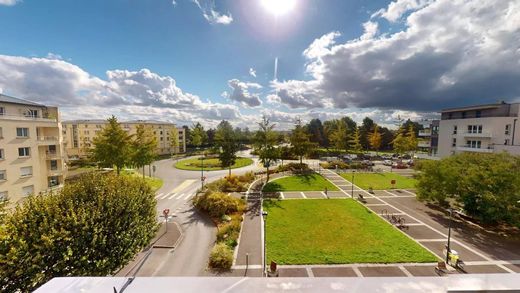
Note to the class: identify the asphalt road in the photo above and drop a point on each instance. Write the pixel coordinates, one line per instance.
(190, 257)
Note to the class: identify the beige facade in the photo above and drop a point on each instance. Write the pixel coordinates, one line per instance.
(31, 152)
(481, 129)
(79, 135)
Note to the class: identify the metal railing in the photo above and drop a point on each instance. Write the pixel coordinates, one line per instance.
(47, 138)
(27, 117)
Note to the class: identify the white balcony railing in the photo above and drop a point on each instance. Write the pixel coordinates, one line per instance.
(425, 133)
(48, 139)
(26, 118)
(475, 150)
(484, 134)
(424, 144)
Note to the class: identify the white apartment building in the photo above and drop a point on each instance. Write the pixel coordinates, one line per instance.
(31, 152)
(79, 135)
(490, 128)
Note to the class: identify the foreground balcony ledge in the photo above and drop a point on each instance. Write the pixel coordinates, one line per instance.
(469, 283)
(475, 150)
(474, 134)
(27, 118)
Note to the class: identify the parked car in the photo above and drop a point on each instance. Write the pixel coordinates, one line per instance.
(399, 165)
(367, 163)
(386, 157)
(387, 162)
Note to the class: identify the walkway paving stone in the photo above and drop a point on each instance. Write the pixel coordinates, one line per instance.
(387, 271)
(484, 269)
(334, 272)
(293, 272)
(421, 271)
(422, 232)
(465, 255)
(314, 194)
(292, 194)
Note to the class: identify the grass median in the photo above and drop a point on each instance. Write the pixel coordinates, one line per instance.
(380, 181)
(310, 182)
(210, 164)
(335, 231)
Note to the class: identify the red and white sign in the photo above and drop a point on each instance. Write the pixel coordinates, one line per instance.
(166, 212)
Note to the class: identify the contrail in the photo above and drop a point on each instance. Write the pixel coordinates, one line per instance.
(276, 69)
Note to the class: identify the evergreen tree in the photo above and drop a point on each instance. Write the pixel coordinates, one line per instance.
(375, 139)
(300, 141)
(226, 141)
(339, 136)
(112, 146)
(355, 142)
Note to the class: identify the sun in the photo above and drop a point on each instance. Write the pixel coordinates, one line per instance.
(278, 7)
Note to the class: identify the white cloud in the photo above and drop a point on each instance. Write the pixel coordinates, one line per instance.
(252, 72)
(9, 2)
(241, 93)
(451, 53)
(211, 14)
(398, 8)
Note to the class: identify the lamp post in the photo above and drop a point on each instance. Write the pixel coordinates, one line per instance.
(264, 215)
(449, 236)
(352, 187)
(202, 172)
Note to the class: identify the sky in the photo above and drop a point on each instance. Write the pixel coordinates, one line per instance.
(188, 61)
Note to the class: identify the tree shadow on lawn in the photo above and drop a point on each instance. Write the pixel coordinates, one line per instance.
(273, 187)
(272, 203)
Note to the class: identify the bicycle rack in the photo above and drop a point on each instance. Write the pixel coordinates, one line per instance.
(384, 214)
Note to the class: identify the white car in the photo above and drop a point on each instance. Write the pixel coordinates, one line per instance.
(387, 162)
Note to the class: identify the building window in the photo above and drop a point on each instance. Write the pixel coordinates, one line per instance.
(507, 132)
(454, 129)
(54, 181)
(454, 142)
(31, 113)
(464, 115)
(1, 134)
(3, 175)
(2, 155)
(506, 141)
(28, 190)
(3, 195)
(474, 128)
(450, 115)
(86, 125)
(98, 126)
(24, 152)
(2, 111)
(54, 165)
(26, 171)
(474, 144)
(86, 132)
(478, 114)
(22, 132)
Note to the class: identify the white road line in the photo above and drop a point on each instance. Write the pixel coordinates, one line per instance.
(188, 196)
(357, 271)
(179, 195)
(392, 194)
(158, 195)
(303, 195)
(405, 271)
(395, 196)
(375, 204)
(165, 195)
(414, 195)
(415, 224)
(324, 195)
(281, 195)
(310, 273)
(431, 240)
(172, 196)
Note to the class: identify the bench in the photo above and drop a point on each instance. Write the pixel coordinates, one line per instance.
(361, 198)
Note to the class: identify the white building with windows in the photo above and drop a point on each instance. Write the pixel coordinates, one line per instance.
(31, 152)
(482, 129)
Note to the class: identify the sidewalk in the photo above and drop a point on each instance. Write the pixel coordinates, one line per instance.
(250, 241)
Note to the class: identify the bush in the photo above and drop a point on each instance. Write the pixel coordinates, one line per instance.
(217, 204)
(92, 227)
(231, 183)
(221, 257)
(228, 232)
(293, 167)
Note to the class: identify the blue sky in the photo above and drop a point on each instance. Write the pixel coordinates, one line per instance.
(212, 60)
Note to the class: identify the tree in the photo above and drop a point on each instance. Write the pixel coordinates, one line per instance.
(487, 186)
(355, 142)
(375, 139)
(227, 142)
(92, 227)
(411, 138)
(300, 141)
(112, 146)
(174, 140)
(265, 144)
(143, 147)
(210, 137)
(198, 135)
(316, 132)
(365, 129)
(339, 136)
(400, 142)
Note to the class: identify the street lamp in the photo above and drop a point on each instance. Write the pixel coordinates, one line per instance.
(202, 171)
(352, 187)
(264, 215)
(449, 236)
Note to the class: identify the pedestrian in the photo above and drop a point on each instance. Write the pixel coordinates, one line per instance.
(326, 192)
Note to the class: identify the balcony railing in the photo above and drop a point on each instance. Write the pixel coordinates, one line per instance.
(47, 139)
(424, 144)
(52, 155)
(475, 134)
(425, 133)
(475, 150)
(6, 116)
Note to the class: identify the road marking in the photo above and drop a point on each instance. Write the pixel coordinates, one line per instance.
(357, 271)
(173, 195)
(415, 224)
(375, 204)
(183, 185)
(303, 195)
(179, 195)
(165, 196)
(405, 271)
(392, 194)
(158, 195)
(310, 274)
(430, 240)
(281, 195)
(324, 195)
(187, 196)
(414, 195)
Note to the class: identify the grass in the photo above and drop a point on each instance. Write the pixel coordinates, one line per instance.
(154, 182)
(311, 182)
(335, 231)
(380, 180)
(213, 164)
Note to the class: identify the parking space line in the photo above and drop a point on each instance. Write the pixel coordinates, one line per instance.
(405, 271)
(431, 240)
(281, 195)
(375, 204)
(303, 195)
(415, 224)
(414, 195)
(357, 271)
(310, 274)
(187, 196)
(324, 195)
(392, 194)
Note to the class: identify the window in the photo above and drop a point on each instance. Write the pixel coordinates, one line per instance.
(161, 132)
(98, 126)
(1, 135)
(24, 152)
(25, 171)
(454, 129)
(86, 132)
(86, 125)
(450, 115)
(31, 113)
(28, 190)
(3, 175)
(478, 114)
(464, 115)
(162, 138)
(54, 165)
(2, 156)
(506, 141)
(22, 132)
(507, 132)
(474, 144)
(474, 128)
(454, 142)
(3, 195)
(54, 181)
(52, 149)
(2, 111)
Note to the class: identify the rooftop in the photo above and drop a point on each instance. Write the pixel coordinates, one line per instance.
(476, 107)
(13, 100)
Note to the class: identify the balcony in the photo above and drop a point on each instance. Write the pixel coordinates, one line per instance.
(425, 133)
(47, 140)
(484, 134)
(424, 144)
(474, 150)
(55, 172)
(5, 116)
(52, 155)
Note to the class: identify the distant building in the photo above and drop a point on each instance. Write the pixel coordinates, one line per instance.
(79, 135)
(31, 149)
(489, 128)
(429, 138)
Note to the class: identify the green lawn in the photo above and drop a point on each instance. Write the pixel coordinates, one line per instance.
(312, 182)
(335, 231)
(213, 164)
(380, 180)
(154, 182)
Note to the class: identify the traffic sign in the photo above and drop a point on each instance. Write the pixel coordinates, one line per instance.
(166, 212)
(203, 178)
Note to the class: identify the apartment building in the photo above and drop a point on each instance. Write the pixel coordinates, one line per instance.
(429, 138)
(489, 128)
(79, 135)
(31, 151)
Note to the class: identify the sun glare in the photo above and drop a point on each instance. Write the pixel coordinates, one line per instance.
(278, 7)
